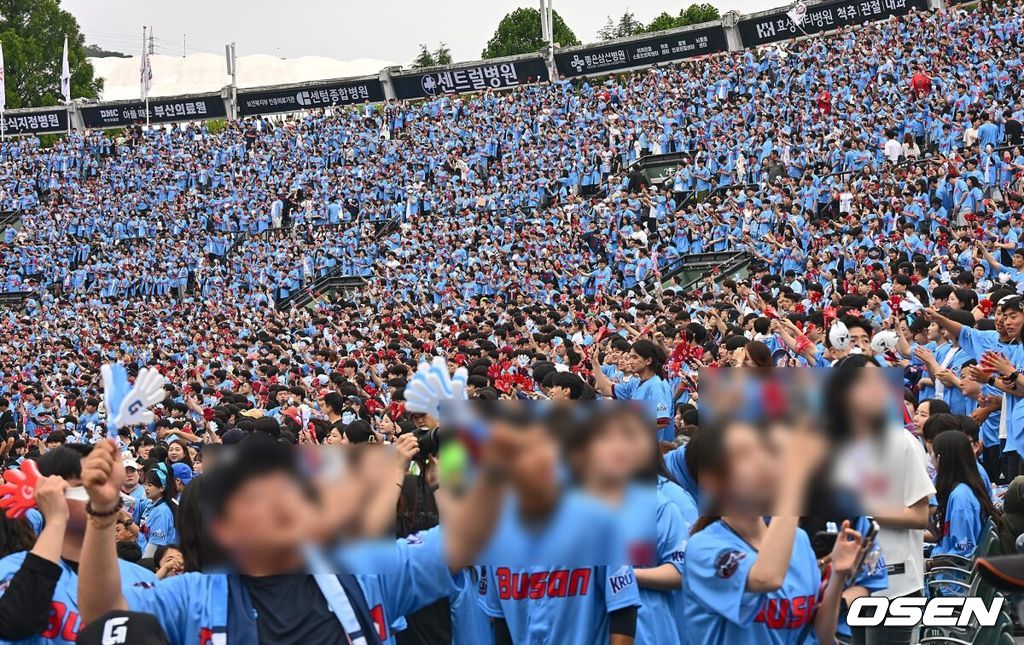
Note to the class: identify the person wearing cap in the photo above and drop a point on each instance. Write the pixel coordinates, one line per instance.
(258, 514)
(39, 587)
(132, 488)
(182, 476)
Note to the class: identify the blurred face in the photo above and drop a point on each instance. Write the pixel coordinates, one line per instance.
(334, 437)
(266, 516)
(121, 533)
(609, 458)
(869, 394)
(747, 486)
(747, 360)
(534, 465)
(953, 301)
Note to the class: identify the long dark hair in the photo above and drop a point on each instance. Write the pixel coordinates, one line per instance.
(958, 465)
(15, 535)
(161, 475)
(652, 352)
(198, 551)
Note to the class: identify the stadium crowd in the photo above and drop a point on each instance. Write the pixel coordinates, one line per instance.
(874, 176)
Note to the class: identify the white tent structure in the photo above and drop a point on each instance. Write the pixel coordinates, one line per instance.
(197, 73)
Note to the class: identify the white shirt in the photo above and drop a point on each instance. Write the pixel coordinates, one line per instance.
(893, 150)
(891, 473)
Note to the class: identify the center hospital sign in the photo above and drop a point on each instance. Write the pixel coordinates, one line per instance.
(666, 48)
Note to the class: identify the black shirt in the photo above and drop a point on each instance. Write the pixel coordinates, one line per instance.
(291, 609)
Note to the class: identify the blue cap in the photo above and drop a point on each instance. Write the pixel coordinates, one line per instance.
(182, 472)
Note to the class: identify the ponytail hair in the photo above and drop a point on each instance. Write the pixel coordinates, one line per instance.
(652, 352)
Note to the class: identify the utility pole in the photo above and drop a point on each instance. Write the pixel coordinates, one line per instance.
(152, 46)
(232, 60)
(184, 45)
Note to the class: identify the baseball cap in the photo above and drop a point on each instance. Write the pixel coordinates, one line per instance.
(131, 462)
(182, 472)
(123, 627)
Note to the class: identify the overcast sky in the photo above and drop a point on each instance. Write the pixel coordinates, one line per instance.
(343, 29)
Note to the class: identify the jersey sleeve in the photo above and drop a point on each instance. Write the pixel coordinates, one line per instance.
(662, 396)
(974, 342)
(716, 577)
(964, 519)
(624, 391)
(675, 462)
(672, 535)
(176, 602)
(621, 589)
(415, 573)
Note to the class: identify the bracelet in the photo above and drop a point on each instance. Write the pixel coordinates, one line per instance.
(92, 512)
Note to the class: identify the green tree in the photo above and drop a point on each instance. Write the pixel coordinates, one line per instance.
(698, 13)
(627, 25)
(692, 15)
(425, 59)
(440, 56)
(443, 55)
(32, 33)
(519, 33)
(664, 21)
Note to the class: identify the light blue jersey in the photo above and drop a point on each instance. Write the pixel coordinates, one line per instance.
(720, 609)
(64, 617)
(557, 583)
(656, 390)
(193, 607)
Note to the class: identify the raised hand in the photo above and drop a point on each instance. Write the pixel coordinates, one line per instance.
(103, 475)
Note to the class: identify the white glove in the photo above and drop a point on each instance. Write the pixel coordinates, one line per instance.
(432, 384)
(148, 391)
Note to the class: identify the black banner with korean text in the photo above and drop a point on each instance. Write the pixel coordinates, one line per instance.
(294, 99)
(777, 26)
(496, 76)
(35, 122)
(638, 53)
(164, 110)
